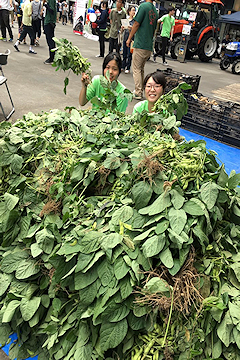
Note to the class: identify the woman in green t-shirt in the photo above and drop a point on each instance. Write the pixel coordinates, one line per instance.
(112, 64)
(154, 85)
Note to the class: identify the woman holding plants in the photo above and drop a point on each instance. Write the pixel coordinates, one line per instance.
(111, 69)
(154, 85)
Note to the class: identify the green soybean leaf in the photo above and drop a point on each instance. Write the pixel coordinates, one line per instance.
(224, 330)
(90, 242)
(118, 314)
(45, 240)
(177, 199)
(82, 280)
(83, 352)
(177, 220)
(11, 261)
(142, 193)
(194, 207)
(10, 310)
(234, 181)
(160, 204)
(5, 281)
(209, 193)
(10, 201)
(26, 268)
(153, 246)
(162, 226)
(29, 307)
(124, 214)
(120, 268)
(157, 285)
(166, 258)
(112, 334)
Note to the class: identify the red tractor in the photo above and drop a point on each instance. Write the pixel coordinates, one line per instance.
(203, 38)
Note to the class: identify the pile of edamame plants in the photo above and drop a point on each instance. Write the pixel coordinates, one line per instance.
(118, 239)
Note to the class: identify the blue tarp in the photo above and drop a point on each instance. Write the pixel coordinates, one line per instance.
(227, 155)
(231, 19)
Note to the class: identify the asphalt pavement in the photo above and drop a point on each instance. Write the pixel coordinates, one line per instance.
(37, 87)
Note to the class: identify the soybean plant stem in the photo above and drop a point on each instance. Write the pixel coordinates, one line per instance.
(169, 320)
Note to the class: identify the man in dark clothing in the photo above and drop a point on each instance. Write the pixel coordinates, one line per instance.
(49, 26)
(5, 5)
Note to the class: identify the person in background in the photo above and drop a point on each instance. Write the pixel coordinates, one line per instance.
(116, 15)
(225, 41)
(26, 26)
(36, 20)
(168, 23)
(5, 6)
(60, 10)
(127, 55)
(64, 12)
(102, 26)
(143, 28)
(49, 26)
(71, 14)
(154, 85)
(111, 68)
(58, 13)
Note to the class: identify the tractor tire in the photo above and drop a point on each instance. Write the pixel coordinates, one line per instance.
(236, 67)
(224, 63)
(207, 48)
(175, 47)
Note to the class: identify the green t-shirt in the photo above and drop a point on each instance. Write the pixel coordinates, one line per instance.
(167, 23)
(116, 24)
(51, 18)
(140, 106)
(96, 89)
(147, 16)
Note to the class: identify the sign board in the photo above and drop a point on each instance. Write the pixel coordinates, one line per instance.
(192, 16)
(186, 30)
(183, 48)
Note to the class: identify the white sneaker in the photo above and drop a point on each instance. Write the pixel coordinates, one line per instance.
(165, 63)
(127, 71)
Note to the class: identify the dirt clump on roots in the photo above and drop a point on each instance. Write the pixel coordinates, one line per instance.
(184, 287)
(51, 206)
(150, 166)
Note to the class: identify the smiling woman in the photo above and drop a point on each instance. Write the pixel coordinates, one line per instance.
(154, 85)
(111, 69)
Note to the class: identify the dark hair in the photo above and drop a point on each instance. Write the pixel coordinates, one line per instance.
(105, 2)
(130, 8)
(170, 8)
(158, 77)
(112, 56)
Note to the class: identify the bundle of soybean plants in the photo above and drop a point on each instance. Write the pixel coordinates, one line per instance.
(118, 239)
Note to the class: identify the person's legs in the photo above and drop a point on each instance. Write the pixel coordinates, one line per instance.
(3, 27)
(34, 26)
(102, 42)
(22, 36)
(164, 46)
(140, 58)
(5, 16)
(125, 49)
(32, 37)
(111, 45)
(49, 32)
(129, 58)
(39, 29)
